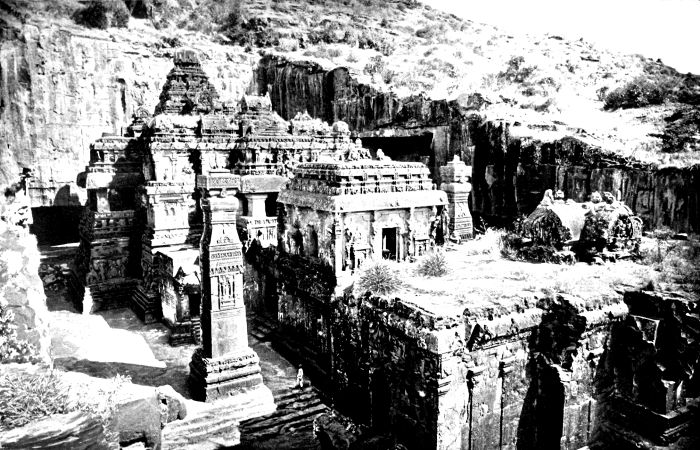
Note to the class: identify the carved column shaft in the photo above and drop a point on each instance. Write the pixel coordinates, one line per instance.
(224, 328)
(224, 366)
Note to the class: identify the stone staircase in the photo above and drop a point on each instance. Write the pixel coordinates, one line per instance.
(290, 426)
(217, 426)
(262, 326)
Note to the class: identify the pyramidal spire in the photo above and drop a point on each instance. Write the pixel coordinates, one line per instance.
(187, 89)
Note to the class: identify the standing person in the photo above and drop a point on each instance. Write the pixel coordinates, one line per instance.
(300, 378)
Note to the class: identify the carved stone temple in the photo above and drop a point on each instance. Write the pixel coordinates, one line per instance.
(203, 211)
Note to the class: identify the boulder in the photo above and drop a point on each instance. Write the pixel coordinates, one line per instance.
(139, 420)
(175, 403)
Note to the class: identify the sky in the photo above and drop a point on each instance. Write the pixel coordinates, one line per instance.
(665, 29)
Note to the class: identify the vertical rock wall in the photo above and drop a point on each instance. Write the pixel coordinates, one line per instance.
(336, 94)
(62, 87)
(510, 175)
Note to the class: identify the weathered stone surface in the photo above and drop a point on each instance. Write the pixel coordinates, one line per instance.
(648, 382)
(64, 86)
(510, 174)
(298, 87)
(76, 430)
(139, 419)
(177, 407)
(21, 290)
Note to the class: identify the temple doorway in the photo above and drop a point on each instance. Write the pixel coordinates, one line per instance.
(195, 301)
(390, 243)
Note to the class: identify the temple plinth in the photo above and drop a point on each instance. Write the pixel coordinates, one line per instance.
(225, 366)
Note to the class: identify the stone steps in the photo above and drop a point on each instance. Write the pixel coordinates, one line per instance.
(291, 425)
(263, 327)
(186, 333)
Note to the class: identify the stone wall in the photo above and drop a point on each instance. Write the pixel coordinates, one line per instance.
(517, 374)
(61, 87)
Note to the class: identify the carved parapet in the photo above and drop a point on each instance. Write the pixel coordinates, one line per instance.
(216, 184)
(262, 183)
(435, 334)
(104, 225)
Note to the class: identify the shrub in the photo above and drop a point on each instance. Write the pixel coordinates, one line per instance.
(639, 92)
(434, 264)
(489, 243)
(25, 398)
(682, 127)
(375, 41)
(376, 64)
(106, 407)
(379, 278)
(517, 71)
(120, 17)
(103, 13)
(94, 15)
(12, 349)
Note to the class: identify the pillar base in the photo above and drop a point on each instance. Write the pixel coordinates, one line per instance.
(229, 376)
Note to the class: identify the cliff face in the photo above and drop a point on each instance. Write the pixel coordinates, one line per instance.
(337, 95)
(63, 87)
(510, 174)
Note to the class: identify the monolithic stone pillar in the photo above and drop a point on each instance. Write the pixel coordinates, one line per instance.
(456, 182)
(225, 366)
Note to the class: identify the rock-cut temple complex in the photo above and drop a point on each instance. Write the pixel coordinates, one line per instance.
(205, 209)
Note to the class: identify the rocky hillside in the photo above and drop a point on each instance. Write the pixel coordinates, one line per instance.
(65, 80)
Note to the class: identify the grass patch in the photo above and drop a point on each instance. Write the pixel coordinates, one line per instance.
(379, 278)
(434, 264)
(25, 398)
(677, 262)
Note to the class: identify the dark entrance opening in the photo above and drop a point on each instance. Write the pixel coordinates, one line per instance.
(389, 243)
(195, 300)
(404, 148)
(55, 225)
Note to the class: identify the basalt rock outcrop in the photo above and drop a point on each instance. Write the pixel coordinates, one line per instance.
(338, 95)
(510, 173)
